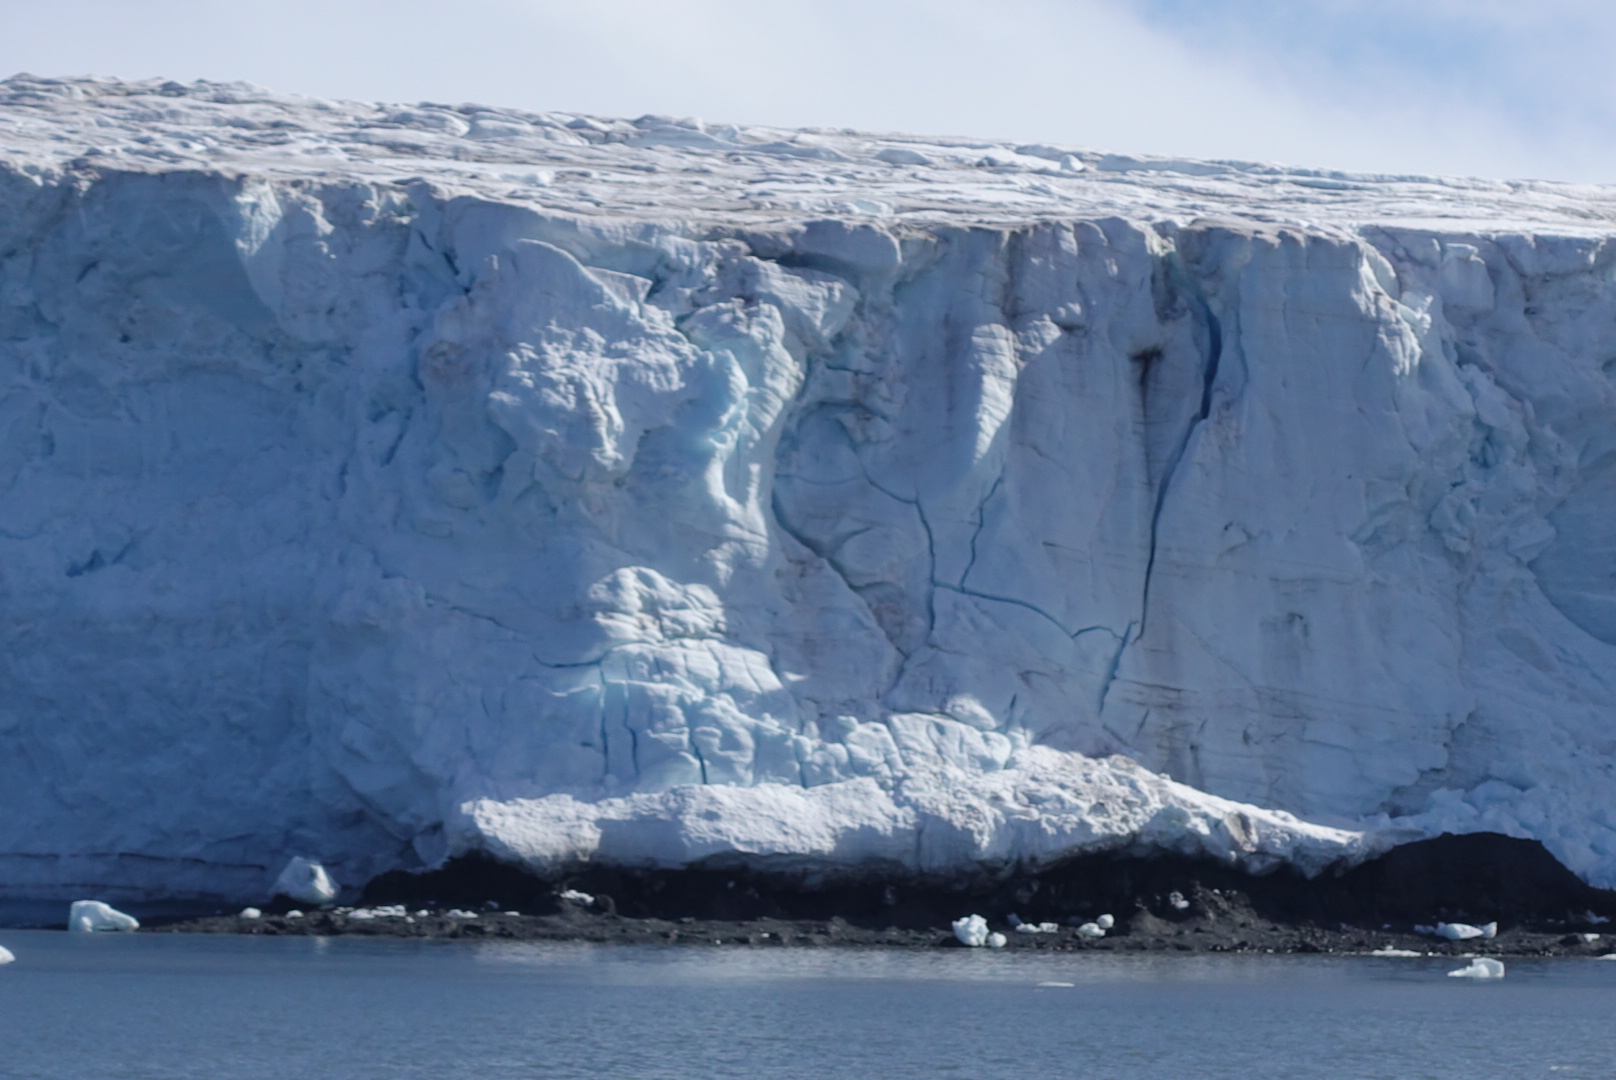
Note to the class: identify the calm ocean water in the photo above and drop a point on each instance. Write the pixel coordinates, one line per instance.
(221, 1008)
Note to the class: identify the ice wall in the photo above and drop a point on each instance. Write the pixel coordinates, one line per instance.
(370, 521)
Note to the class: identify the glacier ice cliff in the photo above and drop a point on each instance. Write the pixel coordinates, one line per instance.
(379, 483)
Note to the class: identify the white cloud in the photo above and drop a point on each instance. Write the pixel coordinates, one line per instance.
(1222, 78)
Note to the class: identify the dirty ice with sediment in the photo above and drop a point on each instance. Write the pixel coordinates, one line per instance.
(384, 482)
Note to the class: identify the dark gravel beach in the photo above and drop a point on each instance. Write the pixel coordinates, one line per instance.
(1217, 923)
(1158, 904)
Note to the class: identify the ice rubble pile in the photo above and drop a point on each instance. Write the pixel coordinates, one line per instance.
(378, 483)
(92, 916)
(305, 880)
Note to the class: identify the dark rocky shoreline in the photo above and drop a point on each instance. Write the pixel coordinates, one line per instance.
(1160, 904)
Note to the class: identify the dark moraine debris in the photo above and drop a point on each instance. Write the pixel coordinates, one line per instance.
(1479, 877)
(1162, 902)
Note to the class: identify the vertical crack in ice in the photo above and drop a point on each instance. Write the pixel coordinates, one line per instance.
(931, 558)
(1209, 374)
(695, 748)
(981, 523)
(1116, 662)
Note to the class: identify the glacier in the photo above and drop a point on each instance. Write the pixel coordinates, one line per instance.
(385, 483)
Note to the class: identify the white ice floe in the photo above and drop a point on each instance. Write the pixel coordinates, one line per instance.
(643, 491)
(294, 914)
(384, 911)
(996, 940)
(1036, 928)
(1051, 983)
(1105, 922)
(1482, 967)
(250, 913)
(457, 913)
(574, 896)
(1463, 931)
(1091, 930)
(6, 955)
(1395, 952)
(972, 930)
(306, 880)
(1177, 902)
(85, 916)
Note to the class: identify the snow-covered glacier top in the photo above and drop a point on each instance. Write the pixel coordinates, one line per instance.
(383, 482)
(663, 167)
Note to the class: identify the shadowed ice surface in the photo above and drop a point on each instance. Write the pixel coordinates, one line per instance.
(227, 1008)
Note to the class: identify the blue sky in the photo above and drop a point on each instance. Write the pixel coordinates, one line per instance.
(1452, 86)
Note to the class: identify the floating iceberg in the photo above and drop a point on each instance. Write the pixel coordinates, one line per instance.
(7, 956)
(997, 940)
(1464, 931)
(86, 916)
(306, 880)
(972, 931)
(1483, 967)
(250, 913)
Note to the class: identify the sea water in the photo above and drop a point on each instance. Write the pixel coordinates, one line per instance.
(100, 1007)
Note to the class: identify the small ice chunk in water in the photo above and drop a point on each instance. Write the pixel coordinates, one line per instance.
(306, 880)
(1482, 967)
(251, 913)
(1091, 930)
(1035, 928)
(6, 955)
(456, 913)
(573, 896)
(1388, 951)
(1105, 922)
(1176, 899)
(971, 930)
(997, 940)
(1458, 931)
(86, 916)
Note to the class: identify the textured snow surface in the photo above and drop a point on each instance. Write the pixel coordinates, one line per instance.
(383, 482)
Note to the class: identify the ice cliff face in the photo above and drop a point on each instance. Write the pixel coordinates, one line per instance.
(381, 483)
